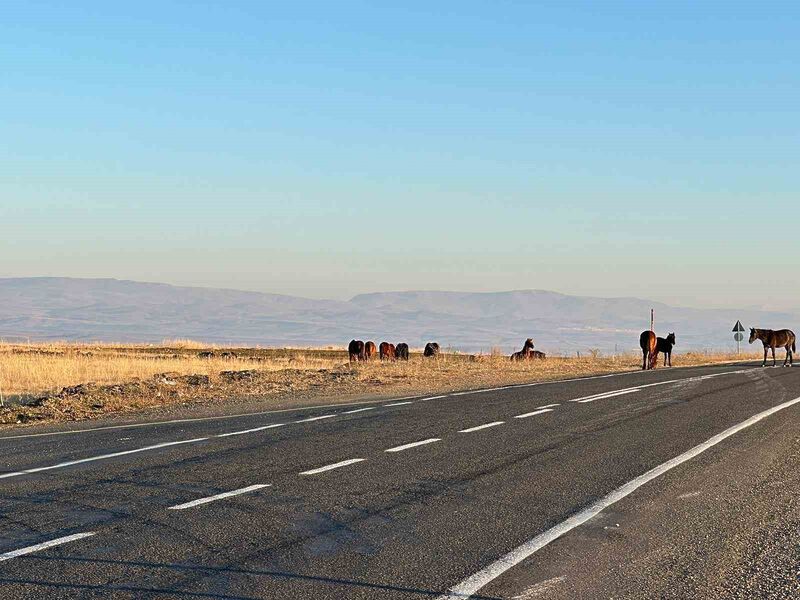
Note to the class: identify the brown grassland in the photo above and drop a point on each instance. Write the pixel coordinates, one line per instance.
(64, 382)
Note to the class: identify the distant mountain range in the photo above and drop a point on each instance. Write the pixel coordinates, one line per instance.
(127, 311)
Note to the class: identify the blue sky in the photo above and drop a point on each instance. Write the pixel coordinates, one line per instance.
(326, 149)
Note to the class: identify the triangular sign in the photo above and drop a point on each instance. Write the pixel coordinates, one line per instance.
(738, 326)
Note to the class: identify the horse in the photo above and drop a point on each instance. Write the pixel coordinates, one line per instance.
(431, 350)
(369, 350)
(774, 339)
(665, 345)
(527, 352)
(386, 351)
(356, 350)
(401, 351)
(647, 342)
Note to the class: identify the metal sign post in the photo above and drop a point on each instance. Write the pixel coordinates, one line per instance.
(738, 335)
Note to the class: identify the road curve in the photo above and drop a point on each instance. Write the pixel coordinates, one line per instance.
(669, 483)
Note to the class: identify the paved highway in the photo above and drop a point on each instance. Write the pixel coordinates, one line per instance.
(670, 483)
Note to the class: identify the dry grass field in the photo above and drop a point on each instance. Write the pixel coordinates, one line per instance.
(45, 382)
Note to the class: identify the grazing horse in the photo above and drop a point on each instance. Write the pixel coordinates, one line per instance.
(369, 350)
(647, 342)
(527, 352)
(386, 351)
(665, 345)
(784, 338)
(356, 350)
(401, 352)
(431, 349)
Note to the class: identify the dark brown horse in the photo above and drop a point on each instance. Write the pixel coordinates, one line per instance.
(527, 352)
(783, 338)
(665, 345)
(401, 352)
(431, 349)
(647, 342)
(386, 351)
(356, 350)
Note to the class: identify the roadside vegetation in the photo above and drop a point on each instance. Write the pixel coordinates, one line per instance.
(61, 381)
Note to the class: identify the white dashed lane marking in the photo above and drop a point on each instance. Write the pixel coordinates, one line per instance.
(319, 418)
(534, 413)
(413, 445)
(399, 403)
(338, 465)
(479, 427)
(273, 426)
(101, 457)
(45, 545)
(206, 500)
(358, 410)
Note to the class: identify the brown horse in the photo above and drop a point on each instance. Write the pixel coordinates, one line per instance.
(647, 342)
(527, 352)
(356, 350)
(431, 350)
(369, 350)
(386, 351)
(665, 345)
(783, 338)
(401, 351)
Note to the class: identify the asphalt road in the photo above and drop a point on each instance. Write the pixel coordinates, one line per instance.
(421, 497)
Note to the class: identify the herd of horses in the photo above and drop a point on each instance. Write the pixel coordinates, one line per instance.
(366, 351)
(650, 344)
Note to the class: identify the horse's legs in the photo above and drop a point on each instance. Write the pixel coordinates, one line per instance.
(764, 364)
(644, 360)
(773, 356)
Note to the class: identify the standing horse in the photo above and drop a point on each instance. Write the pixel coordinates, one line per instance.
(369, 350)
(356, 350)
(647, 342)
(665, 345)
(431, 350)
(775, 339)
(386, 351)
(401, 352)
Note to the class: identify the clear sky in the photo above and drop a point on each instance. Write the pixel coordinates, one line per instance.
(327, 149)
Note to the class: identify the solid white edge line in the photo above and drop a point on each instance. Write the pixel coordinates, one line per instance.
(273, 426)
(484, 426)
(344, 463)
(45, 545)
(534, 413)
(413, 445)
(207, 499)
(472, 584)
(101, 457)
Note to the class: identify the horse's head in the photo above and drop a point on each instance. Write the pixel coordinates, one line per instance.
(753, 335)
(671, 339)
(529, 343)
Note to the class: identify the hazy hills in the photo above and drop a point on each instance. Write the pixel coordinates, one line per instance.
(114, 310)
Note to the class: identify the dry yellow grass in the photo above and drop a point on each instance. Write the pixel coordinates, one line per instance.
(32, 369)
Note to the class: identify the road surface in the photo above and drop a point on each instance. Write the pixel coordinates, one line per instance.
(672, 483)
